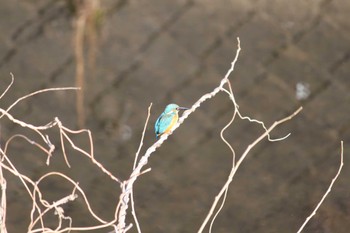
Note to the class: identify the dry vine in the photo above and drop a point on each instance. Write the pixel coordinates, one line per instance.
(40, 206)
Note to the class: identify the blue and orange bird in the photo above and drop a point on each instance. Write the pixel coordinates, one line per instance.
(167, 119)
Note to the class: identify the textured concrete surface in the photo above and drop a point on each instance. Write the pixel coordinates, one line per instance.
(175, 51)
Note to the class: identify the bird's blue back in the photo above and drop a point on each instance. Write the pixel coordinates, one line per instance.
(165, 119)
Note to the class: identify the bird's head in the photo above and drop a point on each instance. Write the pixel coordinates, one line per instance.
(170, 108)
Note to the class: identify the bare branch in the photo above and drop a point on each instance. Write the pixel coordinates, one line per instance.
(241, 159)
(38, 92)
(3, 185)
(328, 190)
(41, 207)
(133, 212)
(127, 186)
(8, 87)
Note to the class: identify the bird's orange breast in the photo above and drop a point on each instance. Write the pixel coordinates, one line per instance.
(172, 123)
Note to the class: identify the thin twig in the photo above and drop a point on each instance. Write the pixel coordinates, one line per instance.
(63, 134)
(9, 86)
(229, 146)
(328, 190)
(143, 136)
(133, 212)
(38, 92)
(3, 207)
(11, 168)
(234, 169)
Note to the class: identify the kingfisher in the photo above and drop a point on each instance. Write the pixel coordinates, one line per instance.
(167, 119)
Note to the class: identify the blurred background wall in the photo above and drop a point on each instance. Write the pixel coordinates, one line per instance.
(129, 53)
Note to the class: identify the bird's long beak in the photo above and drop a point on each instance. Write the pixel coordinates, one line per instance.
(182, 108)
